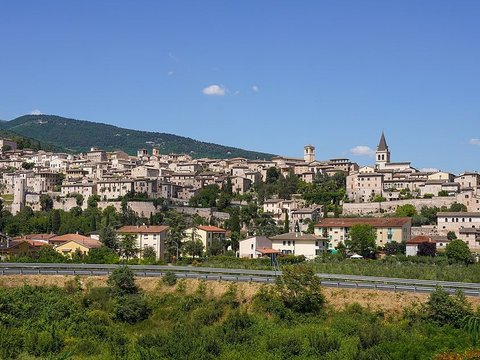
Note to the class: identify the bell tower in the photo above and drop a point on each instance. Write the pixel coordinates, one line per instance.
(309, 153)
(382, 155)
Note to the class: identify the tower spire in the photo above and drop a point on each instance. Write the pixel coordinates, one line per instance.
(382, 145)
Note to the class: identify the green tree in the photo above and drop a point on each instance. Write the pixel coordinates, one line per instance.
(56, 221)
(149, 254)
(128, 246)
(92, 201)
(458, 251)
(207, 197)
(445, 309)
(456, 207)
(272, 175)
(193, 248)
(300, 289)
(109, 238)
(176, 231)
(362, 240)
(451, 235)
(46, 202)
(407, 210)
(102, 255)
(427, 249)
(122, 282)
(286, 224)
(394, 248)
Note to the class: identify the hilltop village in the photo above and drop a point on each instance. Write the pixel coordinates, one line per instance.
(298, 206)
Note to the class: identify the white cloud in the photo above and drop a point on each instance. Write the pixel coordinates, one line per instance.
(474, 142)
(214, 90)
(429, 170)
(36, 112)
(255, 88)
(362, 150)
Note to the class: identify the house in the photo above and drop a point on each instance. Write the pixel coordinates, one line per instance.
(297, 243)
(153, 236)
(387, 229)
(20, 247)
(253, 247)
(207, 234)
(472, 237)
(456, 221)
(62, 239)
(413, 243)
(83, 246)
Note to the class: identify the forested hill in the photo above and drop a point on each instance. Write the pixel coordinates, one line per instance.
(79, 135)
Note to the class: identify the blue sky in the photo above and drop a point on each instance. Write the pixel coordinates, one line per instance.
(262, 75)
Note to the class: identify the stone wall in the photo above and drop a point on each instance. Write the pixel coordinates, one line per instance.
(391, 206)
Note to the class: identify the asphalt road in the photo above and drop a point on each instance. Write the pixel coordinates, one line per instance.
(242, 275)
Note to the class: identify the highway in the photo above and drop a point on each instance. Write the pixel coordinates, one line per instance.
(242, 275)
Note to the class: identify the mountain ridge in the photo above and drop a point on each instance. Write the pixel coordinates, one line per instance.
(80, 135)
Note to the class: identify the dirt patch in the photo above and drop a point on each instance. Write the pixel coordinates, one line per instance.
(388, 302)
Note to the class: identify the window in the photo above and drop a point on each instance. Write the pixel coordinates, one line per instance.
(316, 243)
(289, 243)
(251, 246)
(293, 242)
(284, 243)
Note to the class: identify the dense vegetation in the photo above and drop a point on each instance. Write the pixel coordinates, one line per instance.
(290, 320)
(69, 133)
(26, 142)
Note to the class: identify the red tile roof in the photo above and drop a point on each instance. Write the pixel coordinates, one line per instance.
(88, 243)
(420, 239)
(266, 251)
(144, 229)
(69, 237)
(211, 228)
(376, 222)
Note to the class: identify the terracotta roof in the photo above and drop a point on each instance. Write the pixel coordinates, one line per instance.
(211, 228)
(40, 236)
(143, 229)
(69, 237)
(87, 242)
(376, 222)
(420, 239)
(296, 236)
(266, 251)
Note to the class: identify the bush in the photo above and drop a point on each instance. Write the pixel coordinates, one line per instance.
(130, 308)
(169, 278)
(445, 309)
(458, 250)
(300, 290)
(122, 282)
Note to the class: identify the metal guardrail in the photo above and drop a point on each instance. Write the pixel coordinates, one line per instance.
(240, 275)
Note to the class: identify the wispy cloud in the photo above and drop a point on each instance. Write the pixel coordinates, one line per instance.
(36, 112)
(474, 142)
(170, 73)
(429, 170)
(214, 90)
(255, 88)
(362, 150)
(172, 57)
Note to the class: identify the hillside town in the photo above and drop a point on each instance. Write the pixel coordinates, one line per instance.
(371, 195)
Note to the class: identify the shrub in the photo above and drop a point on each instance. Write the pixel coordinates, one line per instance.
(445, 309)
(458, 250)
(122, 282)
(169, 278)
(130, 308)
(300, 289)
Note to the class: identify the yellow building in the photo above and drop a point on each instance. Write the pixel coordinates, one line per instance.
(337, 230)
(206, 234)
(83, 245)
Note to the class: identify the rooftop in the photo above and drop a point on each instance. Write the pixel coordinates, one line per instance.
(376, 222)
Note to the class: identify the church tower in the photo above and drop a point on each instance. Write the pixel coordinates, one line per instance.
(382, 155)
(309, 153)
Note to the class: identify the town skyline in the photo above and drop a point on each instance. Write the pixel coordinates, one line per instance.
(299, 73)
